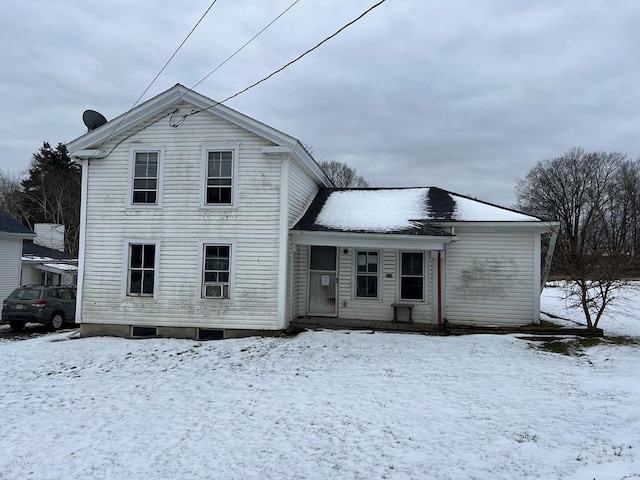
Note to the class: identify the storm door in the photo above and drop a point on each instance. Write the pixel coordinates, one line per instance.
(322, 281)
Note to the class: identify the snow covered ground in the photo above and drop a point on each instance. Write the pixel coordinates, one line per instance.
(322, 405)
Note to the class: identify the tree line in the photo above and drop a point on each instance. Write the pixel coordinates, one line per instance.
(50, 193)
(595, 196)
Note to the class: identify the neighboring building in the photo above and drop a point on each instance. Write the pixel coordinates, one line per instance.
(47, 266)
(12, 234)
(201, 222)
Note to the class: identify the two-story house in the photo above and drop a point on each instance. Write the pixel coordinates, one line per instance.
(198, 221)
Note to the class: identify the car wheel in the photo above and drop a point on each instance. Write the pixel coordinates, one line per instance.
(57, 321)
(17, 326)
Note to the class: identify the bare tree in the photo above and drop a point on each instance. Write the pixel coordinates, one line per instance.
(9, 192)
(595, 197)
(342, 175)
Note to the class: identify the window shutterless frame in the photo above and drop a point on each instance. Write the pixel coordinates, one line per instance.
(141, 261)
(412, 275)
(145, 176)
(367, 271)
(219, 186)
(216, 267)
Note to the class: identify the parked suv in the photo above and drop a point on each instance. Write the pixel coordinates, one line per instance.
(49, 305)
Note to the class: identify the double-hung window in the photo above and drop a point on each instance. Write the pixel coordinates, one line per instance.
(145, 178)
(366, 274)
(219, 177)
(216, 271)
(141, 269)
(412, 276)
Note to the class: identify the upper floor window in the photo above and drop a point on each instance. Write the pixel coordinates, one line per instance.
(219, 178)
(146, 170)
(366, 274)
(412, 276)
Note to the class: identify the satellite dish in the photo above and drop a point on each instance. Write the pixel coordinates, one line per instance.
(93, 119)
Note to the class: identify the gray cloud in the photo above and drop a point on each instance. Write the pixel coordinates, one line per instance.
(464, 95)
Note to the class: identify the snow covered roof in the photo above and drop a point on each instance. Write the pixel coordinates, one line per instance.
(399, 210)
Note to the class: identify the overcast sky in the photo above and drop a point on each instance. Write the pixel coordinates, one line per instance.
(464, 95)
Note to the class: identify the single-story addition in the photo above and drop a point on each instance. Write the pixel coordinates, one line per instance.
(47, 266)
(198, 221)
(421, 255)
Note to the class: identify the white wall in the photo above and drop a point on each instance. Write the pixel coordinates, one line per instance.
(178, 225)
(10, 261)
(490, 277)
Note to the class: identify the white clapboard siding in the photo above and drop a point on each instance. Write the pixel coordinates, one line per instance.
(178, 224)
(490, 278)
(10, 260)
(350, 307)
(302, 190)
(30, 275)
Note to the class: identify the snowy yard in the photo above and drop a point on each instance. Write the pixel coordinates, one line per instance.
(322, 405)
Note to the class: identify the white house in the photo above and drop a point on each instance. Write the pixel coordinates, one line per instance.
(201, 222)
(12, 234)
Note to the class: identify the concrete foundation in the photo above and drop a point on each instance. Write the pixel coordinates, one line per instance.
(113, 330)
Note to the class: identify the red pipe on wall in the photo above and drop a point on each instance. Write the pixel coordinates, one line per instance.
(439, 290)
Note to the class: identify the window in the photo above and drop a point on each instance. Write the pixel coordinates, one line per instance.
(219, 178)
(145, 178)
(366, 274)
(141, 272)
(412, 276)
(216, 271)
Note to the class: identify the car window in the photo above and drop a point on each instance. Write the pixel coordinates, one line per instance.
(53, 293)
(26, 294)
(65, 293)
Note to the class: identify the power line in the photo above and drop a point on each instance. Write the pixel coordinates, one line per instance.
(159, 73)
(337, 32)
(243, 46)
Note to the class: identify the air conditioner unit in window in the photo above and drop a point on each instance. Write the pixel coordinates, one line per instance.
(216, 290)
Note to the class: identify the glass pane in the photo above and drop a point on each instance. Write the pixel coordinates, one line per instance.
(411, 288)
(210, 277)
(151, 197)
(226, 155)
(323, 258)
(136, 282)
(372, 262)
(223, 276)
(149, 256)
(140, 169)
(152, 168)
(147, 285)
(367, 286)
(412, 263)
(362, 261)
(225, 168)
(136, 256)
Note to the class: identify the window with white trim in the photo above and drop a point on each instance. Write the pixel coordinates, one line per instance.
(412, 275)
(367, 274)
(141, 269)
(145, 178)
(219, 177)
(216, 271)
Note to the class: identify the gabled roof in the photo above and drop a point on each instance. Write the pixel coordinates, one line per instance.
(163, 104)
(8, 224)
(399, 210)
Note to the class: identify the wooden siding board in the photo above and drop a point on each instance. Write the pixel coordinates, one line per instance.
(490, 278)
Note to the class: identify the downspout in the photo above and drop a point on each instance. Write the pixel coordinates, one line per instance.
(439, 290)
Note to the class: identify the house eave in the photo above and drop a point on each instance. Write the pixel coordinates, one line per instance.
(539, 226)
(370, 240)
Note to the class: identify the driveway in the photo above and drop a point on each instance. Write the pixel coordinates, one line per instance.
(31, 330)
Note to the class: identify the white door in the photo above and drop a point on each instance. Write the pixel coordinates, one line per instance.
(322, 281)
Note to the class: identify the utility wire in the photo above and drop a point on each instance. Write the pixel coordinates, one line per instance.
(247, 43)
(344, 27)
(159, 73)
